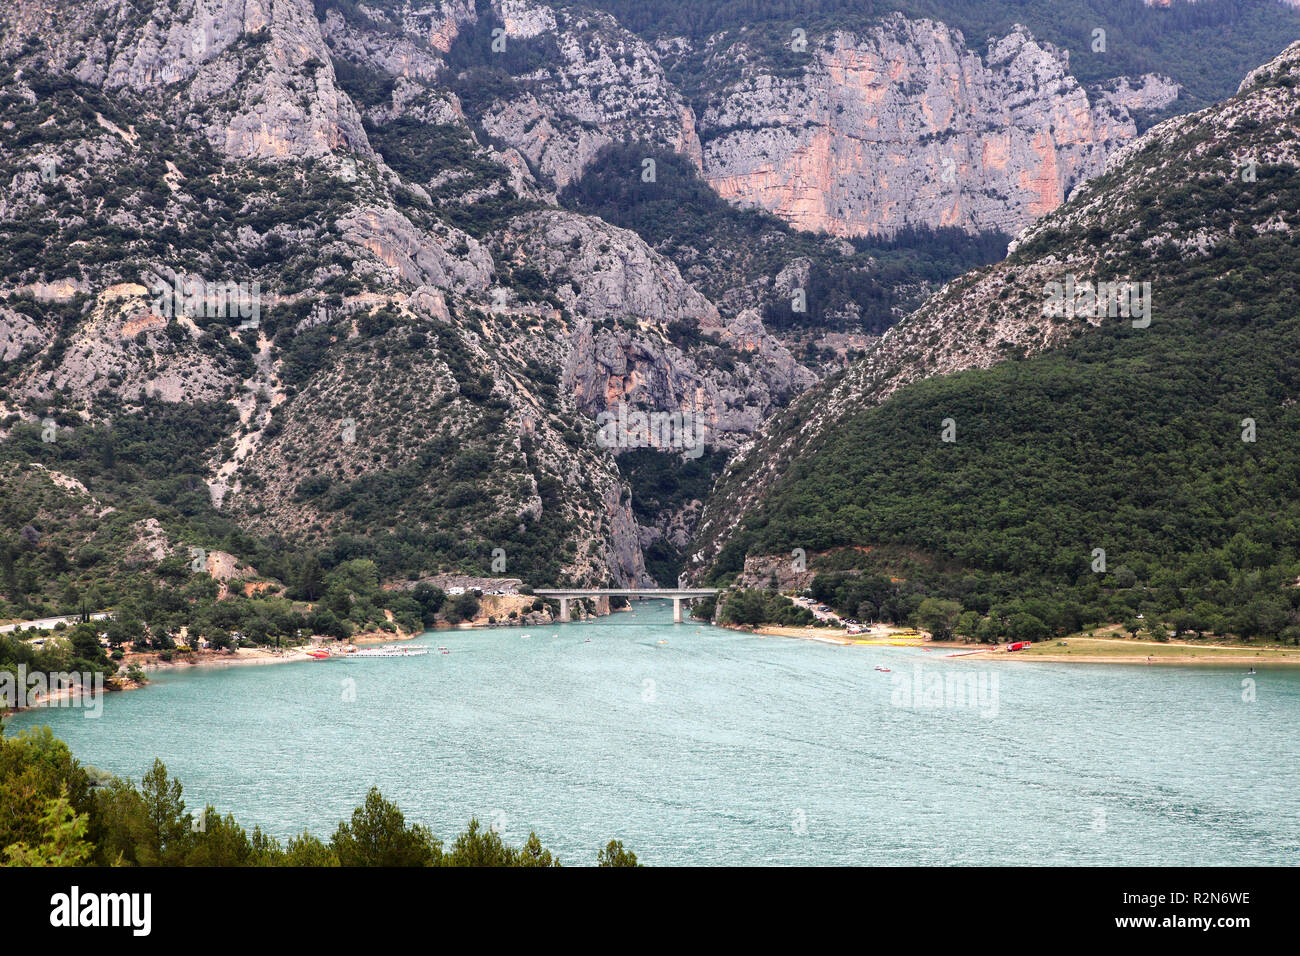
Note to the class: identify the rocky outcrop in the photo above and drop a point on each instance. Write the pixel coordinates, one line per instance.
(121, 345)
(904, 125)
(629, 303)
(409, 39)
(775, 570)
(900, 125)
(18, 334)
(602, 85)
(259, 70)
(603, 272)
(413, 255)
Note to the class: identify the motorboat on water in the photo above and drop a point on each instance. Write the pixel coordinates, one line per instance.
(320, 654)
(883, 669)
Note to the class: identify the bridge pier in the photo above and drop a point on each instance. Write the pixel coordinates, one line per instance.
(601, 597)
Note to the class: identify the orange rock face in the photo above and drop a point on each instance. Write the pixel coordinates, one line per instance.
(905, 126)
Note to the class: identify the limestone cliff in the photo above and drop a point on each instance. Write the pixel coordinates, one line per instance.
(904, 125)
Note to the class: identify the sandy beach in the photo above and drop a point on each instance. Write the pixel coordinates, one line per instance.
(1070, 650)
(1093, 650)
(826, 635)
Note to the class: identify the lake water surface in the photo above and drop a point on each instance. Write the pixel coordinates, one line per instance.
(725, 748)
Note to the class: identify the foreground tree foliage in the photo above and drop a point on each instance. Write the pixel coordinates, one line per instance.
(615, 855)
(58, 813)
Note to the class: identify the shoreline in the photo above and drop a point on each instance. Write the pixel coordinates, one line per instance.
(252, 656)
(149, 662)
(1097, 650)
(1090, 650)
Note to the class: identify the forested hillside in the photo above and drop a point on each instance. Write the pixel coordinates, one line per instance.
(1171, 446)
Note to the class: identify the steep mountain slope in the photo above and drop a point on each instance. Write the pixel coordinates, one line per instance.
(574, 82)
(286, 211)
(394, 366)
(355, 254)
(1165, 437)
(748, 259)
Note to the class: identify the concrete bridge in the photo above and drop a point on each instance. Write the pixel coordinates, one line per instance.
(678, 595)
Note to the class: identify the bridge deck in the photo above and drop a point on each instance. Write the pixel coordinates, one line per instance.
(627, 592)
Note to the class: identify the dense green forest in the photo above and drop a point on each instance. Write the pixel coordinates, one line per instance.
(77, 651)
(61, 813)
(752, 606)
(1207, 46)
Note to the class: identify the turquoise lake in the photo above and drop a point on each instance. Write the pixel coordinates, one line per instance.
(725, 748)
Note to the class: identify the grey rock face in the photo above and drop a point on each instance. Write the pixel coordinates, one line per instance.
(414, 35)
(259, 70)
(627, 299)
(612, 273)
(18, 333)
(607, 86)
(414, 255)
